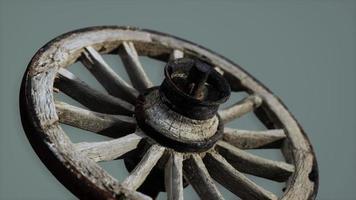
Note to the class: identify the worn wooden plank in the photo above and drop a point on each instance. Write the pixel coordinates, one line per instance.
(110, 80)
(198, 176)
(109, 150)
(240, 108)
(144, 167)
(137, 74)
(95, 100)
(174, 176)
(255, 165)
(104, 124)
(234, 180)
(254, 139)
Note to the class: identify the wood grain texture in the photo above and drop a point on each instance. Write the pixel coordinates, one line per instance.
(234, 180)
(86, 179)
(54, 147)
(244, 139)
(89, 97)
(108, 78)
(197, 175)
(174, 176)
(104, 124)
(305, 170)
(109, 150)
(144, 167)
(137, 74)
(255, 165)
(176, 126)
(242, 107)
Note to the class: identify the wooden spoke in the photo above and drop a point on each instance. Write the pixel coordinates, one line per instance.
(199, 178)
(240, 108)
(111, 81)
(137, 74)
(174, 177)
(89, 97)
(234, 180)
(219, 70)
(109, 150)
(254, 139)
(144, 167)
(72, 161)
(104, 124)
(176, 54)
(255, 165)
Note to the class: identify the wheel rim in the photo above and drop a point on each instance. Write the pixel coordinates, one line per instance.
(80, 173)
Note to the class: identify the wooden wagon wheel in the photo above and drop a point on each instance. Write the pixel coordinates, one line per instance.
(170, 135)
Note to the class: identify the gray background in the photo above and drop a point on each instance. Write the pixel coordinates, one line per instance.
(304, 51)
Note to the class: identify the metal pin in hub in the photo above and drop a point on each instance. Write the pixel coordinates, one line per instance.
(197, 77)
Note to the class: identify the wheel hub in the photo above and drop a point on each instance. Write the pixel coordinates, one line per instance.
(191, 92)
(182, 112)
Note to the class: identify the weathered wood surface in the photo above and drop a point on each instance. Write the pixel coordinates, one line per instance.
(109, 79)
(105, 124)
(176, 54)
(144, 167)
(174, 176)
(89, 97)
(67, 49)
(198, 176)
(299, 187)
(109, 150)
(242, 107)
(255, 165)
(137, 74)
(174, 125)
(219, 70)
(244, 139)
(54, 147)
(233, 180)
